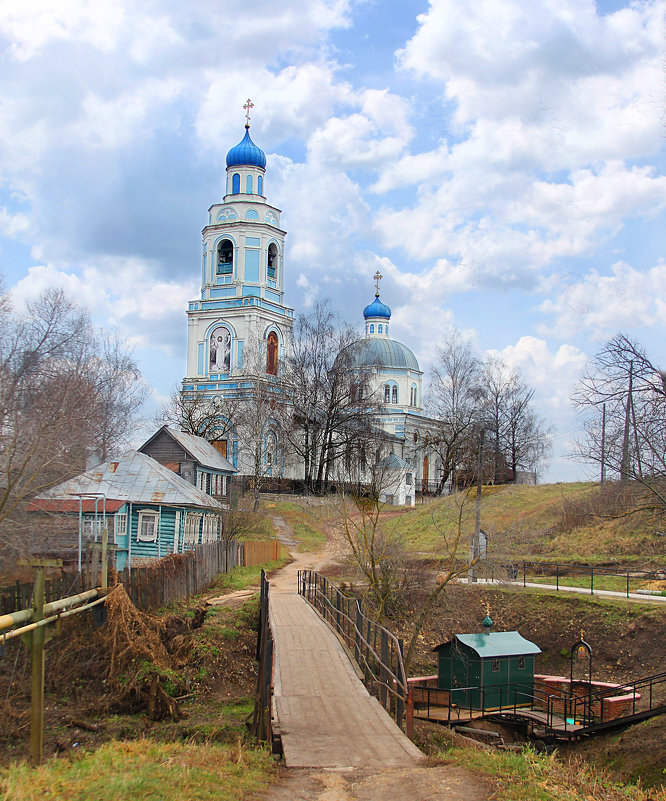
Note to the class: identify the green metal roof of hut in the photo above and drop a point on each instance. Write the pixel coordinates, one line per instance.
(499, 643)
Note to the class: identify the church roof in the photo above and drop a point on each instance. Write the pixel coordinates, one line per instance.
(246, 153)
(382, 352)
(377, 309)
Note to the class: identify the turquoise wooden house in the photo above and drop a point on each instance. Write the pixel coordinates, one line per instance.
(485, 671)
(149, 510)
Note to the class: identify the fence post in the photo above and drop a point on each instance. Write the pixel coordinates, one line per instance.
(409, 719)
(557, 573)
(591, 581)
(357, 638)
(383, 673)
(399, 704)
(524, 574)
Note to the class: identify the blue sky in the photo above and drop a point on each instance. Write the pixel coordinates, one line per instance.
(501, 163)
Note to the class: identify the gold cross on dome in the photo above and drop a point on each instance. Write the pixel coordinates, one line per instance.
(378, 277)
(247, 106)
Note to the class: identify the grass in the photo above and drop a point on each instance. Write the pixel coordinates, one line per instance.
(528, 776)
(549, 522)
(240, 578)
(307, 522)
(143, 771)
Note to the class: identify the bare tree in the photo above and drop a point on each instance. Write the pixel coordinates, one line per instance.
(331, 402)
(65, 390)
(519, 439)
(622, 397)
(194, 413)
(454, 400)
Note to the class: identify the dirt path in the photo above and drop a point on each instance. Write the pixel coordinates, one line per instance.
(357, 770)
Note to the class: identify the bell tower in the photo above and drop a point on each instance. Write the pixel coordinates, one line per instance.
(239, 330)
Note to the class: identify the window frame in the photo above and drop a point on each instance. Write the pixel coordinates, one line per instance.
(147, 515)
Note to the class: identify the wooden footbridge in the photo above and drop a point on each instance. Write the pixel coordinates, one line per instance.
(311, 701)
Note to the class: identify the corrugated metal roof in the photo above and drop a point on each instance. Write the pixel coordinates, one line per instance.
(201, 451)
(499, 643)
(137, 478)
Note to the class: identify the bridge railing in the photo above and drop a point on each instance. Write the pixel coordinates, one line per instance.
(261, 717)
(376, 650)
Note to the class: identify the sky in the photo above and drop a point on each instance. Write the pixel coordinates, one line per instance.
(500, 162)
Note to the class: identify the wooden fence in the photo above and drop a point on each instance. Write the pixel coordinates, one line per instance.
(257, 552)
(180, 575)
(156, 582)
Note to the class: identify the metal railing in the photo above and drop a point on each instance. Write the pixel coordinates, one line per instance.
(563, 713)
(527, 571)
(376, 650)
(261, 717)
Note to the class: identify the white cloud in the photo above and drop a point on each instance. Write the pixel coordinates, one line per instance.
(604, 304)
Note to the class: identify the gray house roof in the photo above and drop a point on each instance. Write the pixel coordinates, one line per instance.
(137, 478)
(499, 643)
(393, 462)
(198, 448)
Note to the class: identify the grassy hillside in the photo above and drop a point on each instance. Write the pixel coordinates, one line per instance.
(552, 522)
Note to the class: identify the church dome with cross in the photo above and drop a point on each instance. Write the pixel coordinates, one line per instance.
(396, 378)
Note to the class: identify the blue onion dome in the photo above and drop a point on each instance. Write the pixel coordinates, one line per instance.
(377, 309)
(246, 153)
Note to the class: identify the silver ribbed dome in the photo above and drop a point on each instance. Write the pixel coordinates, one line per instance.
(380, 352)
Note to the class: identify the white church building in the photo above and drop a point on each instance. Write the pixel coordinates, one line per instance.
(240, 330)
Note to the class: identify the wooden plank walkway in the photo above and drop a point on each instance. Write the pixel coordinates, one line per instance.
(323, 713)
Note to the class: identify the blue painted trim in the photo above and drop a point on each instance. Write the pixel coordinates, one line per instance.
(200, 358)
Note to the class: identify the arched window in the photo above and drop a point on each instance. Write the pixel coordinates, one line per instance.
(372, 328)
(272, 354)
(248, 184)
(235, 184)
(251, 214)
(260, 185)
(225, 257)
(394, 394)
(387, 393)
(412, 397)
(271, 269)
(380, 328)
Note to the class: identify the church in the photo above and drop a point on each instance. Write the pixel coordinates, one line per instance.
(240, 331)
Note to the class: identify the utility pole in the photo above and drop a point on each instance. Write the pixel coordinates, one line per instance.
(477, 522)
(625, 467)
(603, 443)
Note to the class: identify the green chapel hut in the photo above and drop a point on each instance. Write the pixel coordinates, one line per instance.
(485, 671)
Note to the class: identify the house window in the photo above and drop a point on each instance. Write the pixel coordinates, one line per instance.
(225, 257)
(224, 485)
(121, 524)
(521, 663)
(496, 666)
(147, 528)
(191, 532)
(394, 395)
(209, 532)
(387, 393)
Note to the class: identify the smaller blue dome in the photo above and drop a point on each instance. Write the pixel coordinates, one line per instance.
(377, 309)
(246, 153)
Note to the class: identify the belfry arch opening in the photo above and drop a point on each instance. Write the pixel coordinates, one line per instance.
(225, 257)
(272, 261)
